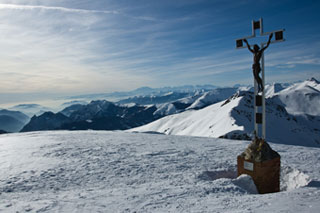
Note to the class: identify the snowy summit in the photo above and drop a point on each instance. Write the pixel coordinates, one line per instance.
(99, 171)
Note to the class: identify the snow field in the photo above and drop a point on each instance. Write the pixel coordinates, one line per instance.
(99, 171)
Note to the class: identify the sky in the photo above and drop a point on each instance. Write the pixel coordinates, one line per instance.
(71, 47)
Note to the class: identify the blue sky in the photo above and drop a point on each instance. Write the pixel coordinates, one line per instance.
(68, 47)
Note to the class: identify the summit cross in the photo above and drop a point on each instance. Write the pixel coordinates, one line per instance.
(259, 83)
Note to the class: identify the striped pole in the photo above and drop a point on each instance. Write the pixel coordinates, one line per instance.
(259, 99)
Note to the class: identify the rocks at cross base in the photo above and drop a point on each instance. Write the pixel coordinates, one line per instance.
(259, 151)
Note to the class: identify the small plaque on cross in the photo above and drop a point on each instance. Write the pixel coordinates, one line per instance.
(248, 165)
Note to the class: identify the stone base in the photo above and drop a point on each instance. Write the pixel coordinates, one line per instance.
(265, 174)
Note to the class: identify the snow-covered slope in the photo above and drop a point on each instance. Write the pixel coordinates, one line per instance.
(94, 171)
(196, 122)
(212, 97)
(273, 89)
(166, 109)
(234, 119)
(302, 98)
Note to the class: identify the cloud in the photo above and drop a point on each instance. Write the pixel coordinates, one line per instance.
(61, 50)
(95, 45)
(72, 10)
(306, 59)
(292, 53)
(63, 9)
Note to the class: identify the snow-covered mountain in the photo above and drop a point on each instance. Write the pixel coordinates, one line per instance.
(173, 102)
(212, 97)
(144, 91)
(98, 115)
(234, 118)
(46, 121)
(155, 99)
(177, 106)
(12, 121)
(105, 115)
(302, 98)
(74, 102)
(99, 171)
(71, 109)
(272, 89)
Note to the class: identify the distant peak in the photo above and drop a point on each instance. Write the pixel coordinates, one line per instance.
(143, 89)
(99, 102)
(315, 80)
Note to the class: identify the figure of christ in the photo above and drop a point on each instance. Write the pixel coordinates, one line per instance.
(256, 68)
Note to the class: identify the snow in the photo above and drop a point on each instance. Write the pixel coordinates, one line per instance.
(129, 105)
(273, 89)
(246, 182)
(302, 98)
(212, 97)
(292, 117)
(165, 109)
(196, 122)
(293, 179)
(100, 171)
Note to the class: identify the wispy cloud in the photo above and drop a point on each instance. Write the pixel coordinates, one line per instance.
(292, 55)
(51, 51)
(78, 49)
(63, 9)
(306, 59)
(73, 10)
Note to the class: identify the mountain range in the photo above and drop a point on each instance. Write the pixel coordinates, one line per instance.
(292, 115)
(128, 113)
(98, 115)
(145, 91)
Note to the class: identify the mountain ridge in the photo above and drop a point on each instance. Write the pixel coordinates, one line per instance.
(233, 118)
(12, 121)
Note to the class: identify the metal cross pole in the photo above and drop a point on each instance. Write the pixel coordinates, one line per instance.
(259, 117)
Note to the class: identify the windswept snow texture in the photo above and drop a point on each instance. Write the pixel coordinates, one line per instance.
(91, 171)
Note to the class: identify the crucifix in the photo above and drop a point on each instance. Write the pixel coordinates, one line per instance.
(259, 83)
